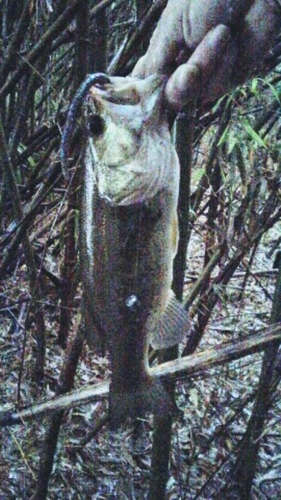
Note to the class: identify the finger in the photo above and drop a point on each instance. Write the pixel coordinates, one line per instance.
(182, 27)
(165, 43)
(207, 72)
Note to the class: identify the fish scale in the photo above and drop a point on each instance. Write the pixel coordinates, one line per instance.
(128, 237)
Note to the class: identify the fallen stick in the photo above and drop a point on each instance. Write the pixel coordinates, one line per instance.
(193, 366)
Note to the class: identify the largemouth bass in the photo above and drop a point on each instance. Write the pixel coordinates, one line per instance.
(129, 236)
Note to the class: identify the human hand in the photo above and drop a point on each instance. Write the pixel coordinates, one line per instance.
(208, 46)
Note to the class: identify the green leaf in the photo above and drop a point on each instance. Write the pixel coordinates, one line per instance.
(275, 90)
(31, 162)
(218, 103)
(253, 134)
(232, 142)
(198, 174)
(223, 136)
(254, 86)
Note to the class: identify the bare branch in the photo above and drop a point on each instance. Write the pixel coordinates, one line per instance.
(43, 44)
(196, 365)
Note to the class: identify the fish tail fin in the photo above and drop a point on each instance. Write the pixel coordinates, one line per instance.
(148, 397)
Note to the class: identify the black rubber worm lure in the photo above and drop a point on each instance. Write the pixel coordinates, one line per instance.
(74, 110)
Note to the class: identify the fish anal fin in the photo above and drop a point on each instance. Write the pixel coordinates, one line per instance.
(172, 325)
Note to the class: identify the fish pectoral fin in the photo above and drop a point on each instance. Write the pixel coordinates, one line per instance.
(172, 325)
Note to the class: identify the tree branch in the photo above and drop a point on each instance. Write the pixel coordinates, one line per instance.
(195, 365)
(43, 44)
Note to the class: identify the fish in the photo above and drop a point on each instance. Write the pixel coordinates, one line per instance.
(129, 237)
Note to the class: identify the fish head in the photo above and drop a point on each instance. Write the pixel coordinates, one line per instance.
(128, 138)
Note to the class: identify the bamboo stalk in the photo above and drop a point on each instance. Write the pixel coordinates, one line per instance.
(30, 258)
(42, 45)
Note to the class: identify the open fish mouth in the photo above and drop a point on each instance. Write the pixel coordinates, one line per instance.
(129, 155)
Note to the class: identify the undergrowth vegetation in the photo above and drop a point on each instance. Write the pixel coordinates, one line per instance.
(230, 232)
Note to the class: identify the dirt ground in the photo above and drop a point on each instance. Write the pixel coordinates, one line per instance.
(117, 465)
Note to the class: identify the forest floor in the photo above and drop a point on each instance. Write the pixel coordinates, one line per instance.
(109, 465)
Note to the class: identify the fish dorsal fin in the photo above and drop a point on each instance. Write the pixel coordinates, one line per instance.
(172, 326)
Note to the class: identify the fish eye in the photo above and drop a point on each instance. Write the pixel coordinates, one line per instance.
(95, 125)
